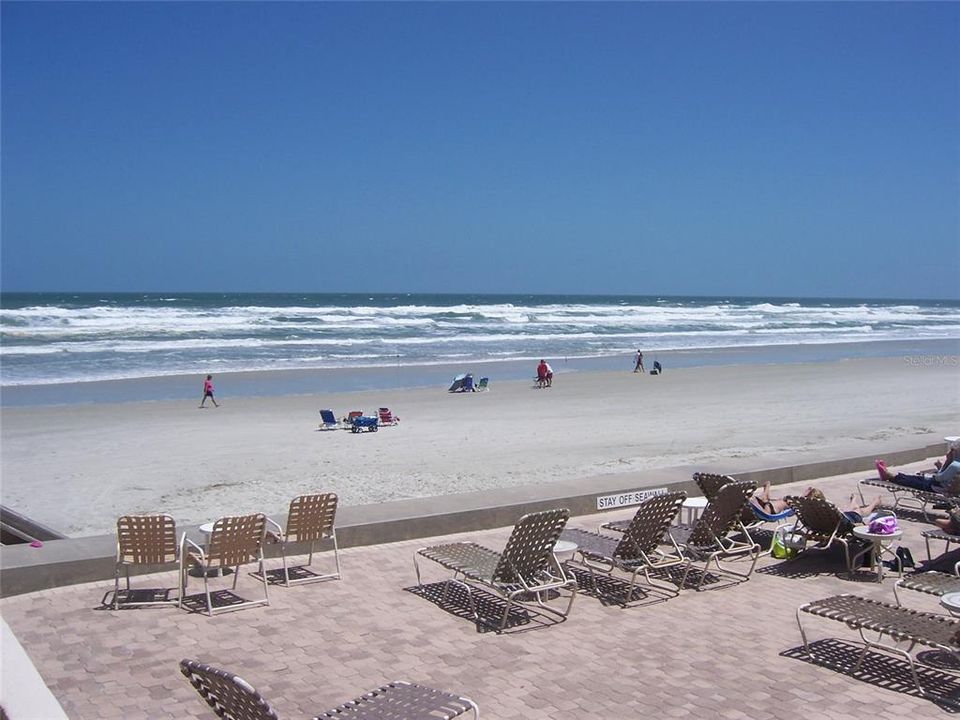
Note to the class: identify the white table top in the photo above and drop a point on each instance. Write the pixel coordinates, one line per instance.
(695, 502)
(951, 601)
(862, 531)
(564, 546)
(206, 528)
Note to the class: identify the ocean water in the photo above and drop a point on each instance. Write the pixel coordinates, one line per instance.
(49, 339)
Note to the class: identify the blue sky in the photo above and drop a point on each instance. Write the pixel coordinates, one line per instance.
(693, 148)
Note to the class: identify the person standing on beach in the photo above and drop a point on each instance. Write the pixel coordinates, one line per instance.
(639, 366)
(208, 391)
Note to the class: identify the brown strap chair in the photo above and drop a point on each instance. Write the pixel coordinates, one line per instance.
(233, 698)
(526, 569)
(234, 541)
(638, 550)
(311, 519)
(144, 540)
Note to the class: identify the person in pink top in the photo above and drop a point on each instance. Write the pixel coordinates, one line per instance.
(208, 391)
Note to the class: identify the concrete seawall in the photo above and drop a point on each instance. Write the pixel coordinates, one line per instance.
(26, 569)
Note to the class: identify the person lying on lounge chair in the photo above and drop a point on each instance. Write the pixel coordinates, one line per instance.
(855, 513)
(943, 481)
(769, 505)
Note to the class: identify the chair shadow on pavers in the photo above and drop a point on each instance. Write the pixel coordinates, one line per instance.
(143, 541)
(810, 565)
(883, 671)
(526, 574)
(232, 698)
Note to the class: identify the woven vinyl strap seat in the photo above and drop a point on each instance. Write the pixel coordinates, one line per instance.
(403, 701)
(939, 534)
(474, 561)
(233, 698)
(897, 622)
(526, 565)
(900, 624)
(931, 583)
(637, 549)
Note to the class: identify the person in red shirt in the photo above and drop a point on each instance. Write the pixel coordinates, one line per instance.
(208, 391)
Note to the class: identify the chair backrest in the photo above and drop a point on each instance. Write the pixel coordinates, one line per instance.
(236, 540)
(710, 483)
(649, 523)
(146, 539)
(530, 547)
(721, 514)
(482, 385)
(328, 417)
(819, 516)
(385, 415)
(311, 517)
(229, 696)
(354, 414)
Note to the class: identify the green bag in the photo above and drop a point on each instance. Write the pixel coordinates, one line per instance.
(778, 549)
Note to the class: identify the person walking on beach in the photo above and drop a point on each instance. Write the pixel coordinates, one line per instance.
(639, 366)
(208, 391)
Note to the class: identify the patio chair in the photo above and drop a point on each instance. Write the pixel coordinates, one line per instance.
(717, 533)
(751, 516)
(525, 570)
(900, 624)
(310, 518)
(637, 550)
(939, 534)
(820, 522)
(329, 420)
(233, 698)
(930, 582)
(387, 417)
(234, 541)
(144, 540)
(911, 498)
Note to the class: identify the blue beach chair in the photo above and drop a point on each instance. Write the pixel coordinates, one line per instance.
(329, 421)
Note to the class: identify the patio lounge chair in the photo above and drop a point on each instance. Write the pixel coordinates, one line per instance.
(234, 541)
(714, 534)
(900, 624)
(930, 582)
(387, 417)
(233, 698)
(939, 534)
(310, 518)
(144, 540)
(820, 522)
(637, 550)
(527, 567)
(912, 498)
(752, 516)
(329, 420)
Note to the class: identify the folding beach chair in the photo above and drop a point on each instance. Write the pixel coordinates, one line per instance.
(637, 550)
(233, 698)
(144, 540)
(310, 519)
(387, 417)
(484, 384)
(329, 420)
(234, 541)
(526, 569)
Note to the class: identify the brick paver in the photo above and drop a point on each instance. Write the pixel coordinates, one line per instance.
(728, 652)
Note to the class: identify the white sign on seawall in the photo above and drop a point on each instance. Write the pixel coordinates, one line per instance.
(633, 497)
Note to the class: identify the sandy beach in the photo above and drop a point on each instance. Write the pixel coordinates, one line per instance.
(77, 467)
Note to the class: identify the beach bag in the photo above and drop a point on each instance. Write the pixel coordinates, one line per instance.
(784, 545)
(886, 525)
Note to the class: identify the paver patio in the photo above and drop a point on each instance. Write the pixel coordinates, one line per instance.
(728, 652)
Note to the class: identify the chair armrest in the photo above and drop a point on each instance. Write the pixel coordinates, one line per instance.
(274, 533)
(185, 541)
